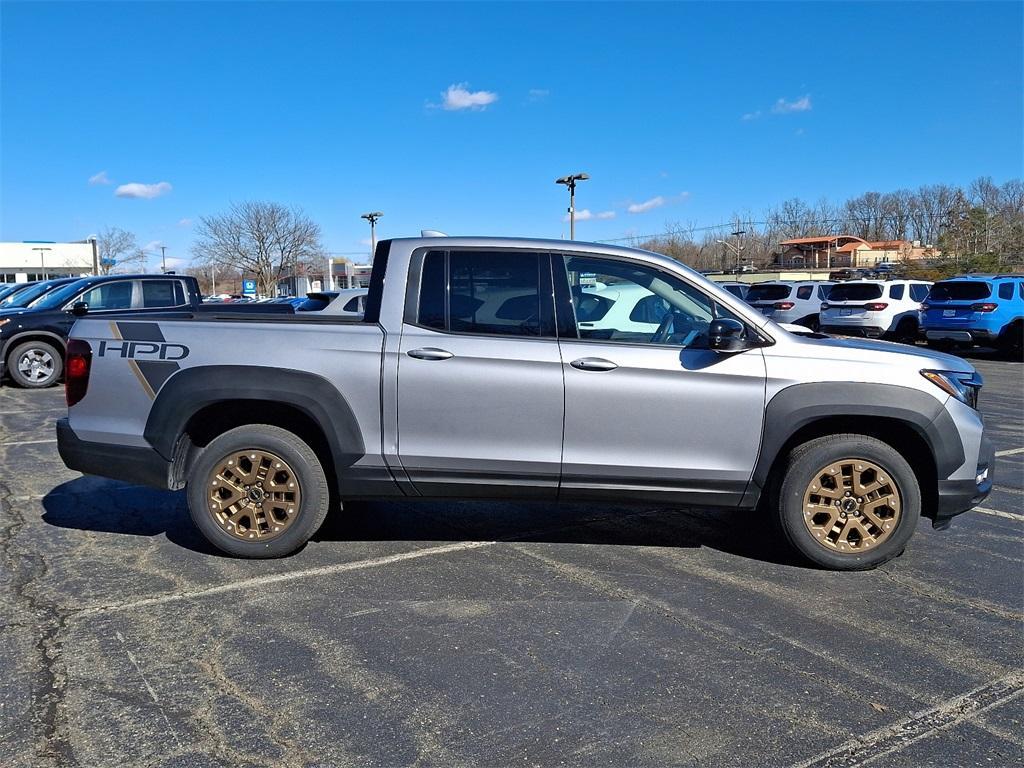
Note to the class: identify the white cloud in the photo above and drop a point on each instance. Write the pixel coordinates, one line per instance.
(458, 97)
(186, 222)
(751, 115)
(586, 215)
(538, 94)
(647, 205)
(173, 263)
(143, 191)
(783, 107)
(99, 178)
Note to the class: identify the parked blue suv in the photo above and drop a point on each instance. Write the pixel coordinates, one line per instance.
(975, 309)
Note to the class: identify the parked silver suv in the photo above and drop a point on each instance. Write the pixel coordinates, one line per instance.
(475, 372)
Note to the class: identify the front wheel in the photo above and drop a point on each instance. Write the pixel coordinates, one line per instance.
(848, 502)
(258, 491)
(35, 364)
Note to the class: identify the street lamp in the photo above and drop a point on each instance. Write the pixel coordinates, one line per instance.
(570, 182)
(42, 259)
(737, 249)
(372, 218)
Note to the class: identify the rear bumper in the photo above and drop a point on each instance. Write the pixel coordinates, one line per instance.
(132, 464)
(958, 496)
(867, 331)
(970, 335)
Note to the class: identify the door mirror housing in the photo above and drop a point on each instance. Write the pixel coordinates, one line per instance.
(727, 335)
(80, 309)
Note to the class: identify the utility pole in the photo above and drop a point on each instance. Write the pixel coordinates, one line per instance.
(570, 183)
(737, 249)
(372, 218)
(163, 259)
(42, 259)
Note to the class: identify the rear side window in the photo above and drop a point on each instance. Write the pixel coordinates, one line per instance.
(855, 292)
(162, 293)
(109, 296)
(768, 292)
(964, 290)
(1006, 290)
(804, 291)
(824, 291)
(896, 291)
(918, 292)
(481, 292)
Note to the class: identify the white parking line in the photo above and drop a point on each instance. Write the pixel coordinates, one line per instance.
(261, 581)
(861, 750)
(27, 442)
(997, 513)
(1012, 452)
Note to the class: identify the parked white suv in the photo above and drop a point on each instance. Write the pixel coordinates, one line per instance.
(796, 302)
(875, 308)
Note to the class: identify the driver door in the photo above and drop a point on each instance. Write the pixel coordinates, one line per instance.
(650, 411)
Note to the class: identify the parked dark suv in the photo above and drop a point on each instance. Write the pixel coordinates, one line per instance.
(33, 338)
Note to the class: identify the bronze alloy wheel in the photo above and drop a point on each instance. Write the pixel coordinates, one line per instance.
(851, 506)
(253, 495)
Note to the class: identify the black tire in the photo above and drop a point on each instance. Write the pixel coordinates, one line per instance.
(799, 472)
(811, 322)
(906, 331)
(1011, 341)
(313, 504)
(47, 371)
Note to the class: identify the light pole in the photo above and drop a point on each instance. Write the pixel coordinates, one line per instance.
(42, 259)
(372, 218)
(570, 182)
(163, 259)
(737, 249)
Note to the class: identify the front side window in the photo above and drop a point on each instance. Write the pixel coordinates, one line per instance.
(158, 294)
(645, 305)
(483, 292)
(116, 295)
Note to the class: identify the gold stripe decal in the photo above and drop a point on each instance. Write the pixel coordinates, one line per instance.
(133, 365)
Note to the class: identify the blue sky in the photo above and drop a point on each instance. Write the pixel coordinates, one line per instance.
(684, 112)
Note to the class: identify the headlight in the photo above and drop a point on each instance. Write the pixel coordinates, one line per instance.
(963, 386)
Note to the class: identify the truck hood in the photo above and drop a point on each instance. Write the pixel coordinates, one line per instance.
(868, 350)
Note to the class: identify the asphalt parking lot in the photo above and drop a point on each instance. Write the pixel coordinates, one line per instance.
(496, 634)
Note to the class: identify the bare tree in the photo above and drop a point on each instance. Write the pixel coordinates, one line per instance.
(264, 240)
(118, 251)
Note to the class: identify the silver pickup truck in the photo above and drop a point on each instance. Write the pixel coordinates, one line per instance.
(501, 368)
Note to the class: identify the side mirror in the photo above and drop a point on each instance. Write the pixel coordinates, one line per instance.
(726, 335)
(80, 309)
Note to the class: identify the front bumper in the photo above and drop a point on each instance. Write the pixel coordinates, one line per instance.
(132, 464)
(958, 496)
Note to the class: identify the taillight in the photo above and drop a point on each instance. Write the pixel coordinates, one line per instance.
(784, 305)
(986, 307)
(925, 307)
(76, 370)
(877, 306)
(824, 306)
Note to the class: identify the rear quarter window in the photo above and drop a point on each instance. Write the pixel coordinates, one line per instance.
(1006, 290)
(804, 291)
(896, 291)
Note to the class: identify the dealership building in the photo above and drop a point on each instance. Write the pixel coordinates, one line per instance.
(38, 260)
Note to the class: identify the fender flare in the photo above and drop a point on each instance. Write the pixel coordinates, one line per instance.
(8, 344)
(797, 406)
(191, 389)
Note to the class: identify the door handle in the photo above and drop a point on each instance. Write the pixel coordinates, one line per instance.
(593, 364)
(430, 353)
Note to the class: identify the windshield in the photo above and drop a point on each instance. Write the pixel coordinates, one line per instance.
(56, 297)
(26, 295)
(855, 292)
(768, 292)
(959, 291)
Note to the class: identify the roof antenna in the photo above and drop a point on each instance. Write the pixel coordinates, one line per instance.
(432, 233)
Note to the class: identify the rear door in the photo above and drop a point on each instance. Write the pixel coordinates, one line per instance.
(480, 391)
(654, 415)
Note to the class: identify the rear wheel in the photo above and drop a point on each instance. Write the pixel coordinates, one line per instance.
(1011, 341)
(35, 364)
(811, 321)
(848, 502)
(906, 331)
(258, 491)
